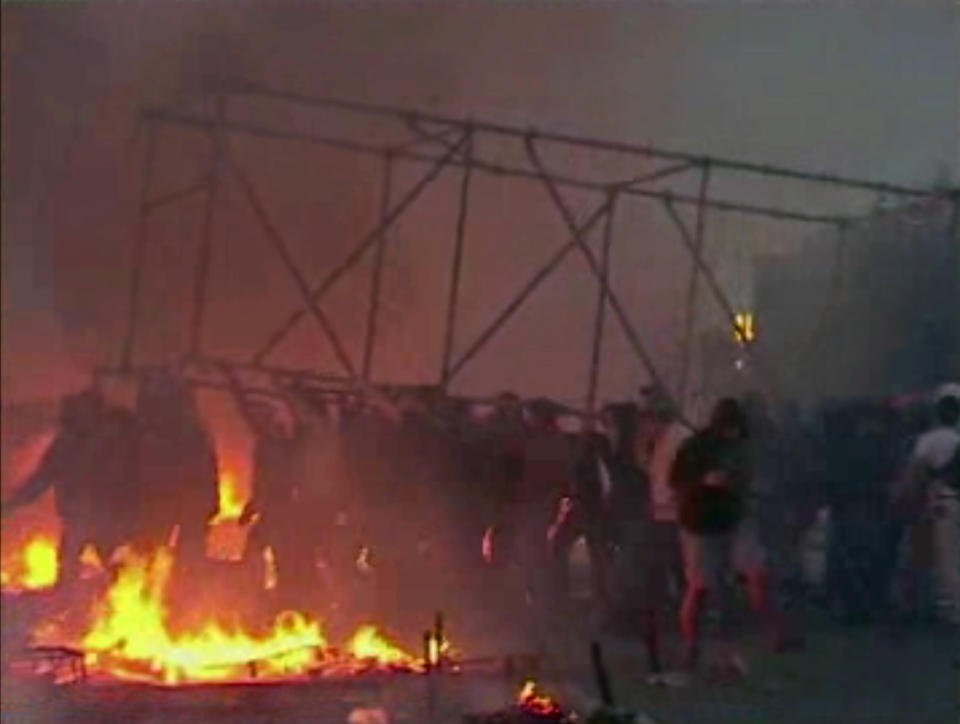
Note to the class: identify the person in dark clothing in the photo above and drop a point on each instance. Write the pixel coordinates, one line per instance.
(860, 556)
(502, 442)
(91, 467)
(712, 476)
(643, 561)
(177, 469)
(546, 460)
(586, 514)
(861, 465)
(285, 516)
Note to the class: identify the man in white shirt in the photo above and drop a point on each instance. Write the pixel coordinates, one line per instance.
(933, 485)
(660, 438)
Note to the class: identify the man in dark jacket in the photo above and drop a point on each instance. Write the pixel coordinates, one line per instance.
(712, 476)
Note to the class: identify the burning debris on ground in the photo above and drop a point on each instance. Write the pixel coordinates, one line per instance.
(531, 707)
(129, 637)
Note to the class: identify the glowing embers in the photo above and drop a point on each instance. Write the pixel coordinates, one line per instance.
(32, 567)
(531, 707)
(538, 704)
(130, 637)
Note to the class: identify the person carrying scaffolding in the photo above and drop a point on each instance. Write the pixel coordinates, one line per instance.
(91, 467)
(177, 469)
(279, 509)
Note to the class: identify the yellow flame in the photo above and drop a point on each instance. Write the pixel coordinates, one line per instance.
(743, 328)
(130, 638)
(227, 536)
(34, 566)
(231, 499)
(40, 560)
(369, 643)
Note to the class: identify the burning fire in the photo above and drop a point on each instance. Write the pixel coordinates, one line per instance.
(231, 498)
(537, 704)
(130, 638)
(33, 567)
(227, 538)
(369, 644)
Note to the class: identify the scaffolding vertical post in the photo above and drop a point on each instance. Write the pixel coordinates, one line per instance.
(593, 377)
(140, 248)
(205, 248)
(377, 273)
(457, 263)
(953, 259)
(690, 312)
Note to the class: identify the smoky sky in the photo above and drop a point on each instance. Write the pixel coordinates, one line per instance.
(857, 90)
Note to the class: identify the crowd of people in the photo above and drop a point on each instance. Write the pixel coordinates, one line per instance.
(438, 494)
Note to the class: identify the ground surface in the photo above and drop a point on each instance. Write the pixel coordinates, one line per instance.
(844, 676)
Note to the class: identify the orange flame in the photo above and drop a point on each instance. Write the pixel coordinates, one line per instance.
(231, 498)
(539, 704)
(227, 538)
(33, 567)
(130, 638)
(369, 643)
(269, 569)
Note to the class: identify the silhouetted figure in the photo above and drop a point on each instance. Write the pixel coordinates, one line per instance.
(587, 515)
(91, 467)
(177, 469)
(929, 495)
(661, 563)
(287, 519)
(863, 464)
(546, 473)
(712, 476)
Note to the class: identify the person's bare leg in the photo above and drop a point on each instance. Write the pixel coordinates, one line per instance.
(691, 613)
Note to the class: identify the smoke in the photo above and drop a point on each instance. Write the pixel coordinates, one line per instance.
(815, 88)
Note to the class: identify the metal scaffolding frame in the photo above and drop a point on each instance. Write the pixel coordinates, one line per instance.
(443, 142)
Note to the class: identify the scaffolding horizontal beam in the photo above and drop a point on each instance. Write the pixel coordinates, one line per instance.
(174, 196)
(310, 382)
(241, 87)
(166, 116)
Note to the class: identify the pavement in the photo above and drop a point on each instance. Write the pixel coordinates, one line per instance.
(843, 675)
